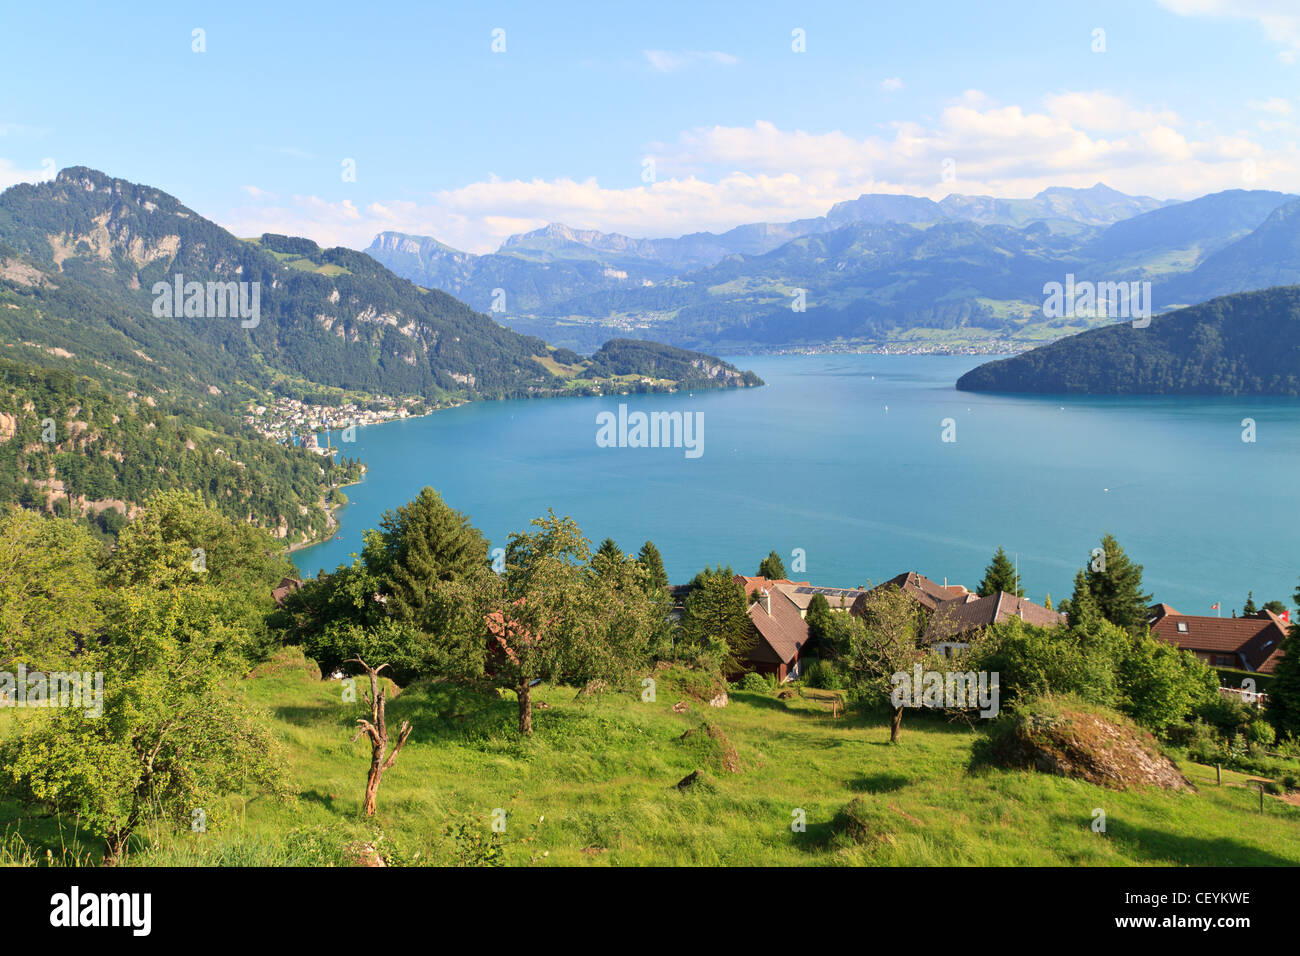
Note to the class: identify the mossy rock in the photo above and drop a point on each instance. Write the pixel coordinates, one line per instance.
(1084, 743)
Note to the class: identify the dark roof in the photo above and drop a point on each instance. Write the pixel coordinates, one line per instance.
(782, 630)
(1255, 642)
(286, 586)
(963, 615)
(929, 594)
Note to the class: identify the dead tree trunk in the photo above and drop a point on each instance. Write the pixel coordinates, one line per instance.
(525, 693)
(376, 728)
(895, 724)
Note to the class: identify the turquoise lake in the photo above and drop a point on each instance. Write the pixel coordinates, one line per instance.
(842, 456)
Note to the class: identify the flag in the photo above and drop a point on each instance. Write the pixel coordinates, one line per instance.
(1285, 616)
(1214, 606)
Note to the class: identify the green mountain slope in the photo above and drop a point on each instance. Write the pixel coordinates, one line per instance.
(1243, 344)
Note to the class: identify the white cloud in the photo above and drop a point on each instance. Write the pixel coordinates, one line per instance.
(667, 61)
(11, 174)
(1280, 19)
(891, 84)
(1274, 104)
(716, 177)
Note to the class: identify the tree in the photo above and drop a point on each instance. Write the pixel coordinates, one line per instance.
(419, 544)
(172, 738)
(50, 594)
(1277, 607)
(819, 617)
(181, 541)
(1115, 583)
(653, 562)
(535, 612)
(1082, 610)
(1162, 684)
(882, 642)
(1284, 691)
(376, 729)
(607, 559)
(1249, 609)
(1000, 575)
(772, 567)
(716, 617)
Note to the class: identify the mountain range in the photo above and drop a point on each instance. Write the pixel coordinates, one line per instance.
(880, 270)
(119, 326)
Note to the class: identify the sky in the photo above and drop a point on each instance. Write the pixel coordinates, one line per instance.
(473, 122)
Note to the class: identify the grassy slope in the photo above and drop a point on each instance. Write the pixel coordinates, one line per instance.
(602, 774)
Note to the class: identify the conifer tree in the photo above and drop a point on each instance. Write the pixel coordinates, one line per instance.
(772, 567)
(1000, 575)
(653, 562)
(1115, 583)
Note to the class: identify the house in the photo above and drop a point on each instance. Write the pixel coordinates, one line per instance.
(955, 622)
(839, 599)
(1241, 643)
(757, 583)
(284, 589)
(929, 594)
(781, 635)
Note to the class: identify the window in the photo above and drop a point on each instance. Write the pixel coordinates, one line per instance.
(1182, 627)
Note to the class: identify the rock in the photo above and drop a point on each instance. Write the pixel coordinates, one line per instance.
(719, 701)
(1105, 750)
(680, 707)
(690, 780)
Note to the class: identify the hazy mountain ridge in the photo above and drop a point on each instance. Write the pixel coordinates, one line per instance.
(972, 271)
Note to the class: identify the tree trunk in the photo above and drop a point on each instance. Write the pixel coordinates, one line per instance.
(895, 724)
(525, 708)
(372, 782)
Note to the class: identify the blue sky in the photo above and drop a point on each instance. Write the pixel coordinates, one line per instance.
(453, 140)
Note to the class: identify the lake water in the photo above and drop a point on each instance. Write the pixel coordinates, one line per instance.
(843, 457)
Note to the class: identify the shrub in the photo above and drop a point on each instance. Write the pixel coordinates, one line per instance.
(824, 675)
(754, 683)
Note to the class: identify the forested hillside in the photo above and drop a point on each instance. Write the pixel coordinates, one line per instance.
(1244, 344)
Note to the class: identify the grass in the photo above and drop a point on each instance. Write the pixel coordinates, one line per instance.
(596, 785)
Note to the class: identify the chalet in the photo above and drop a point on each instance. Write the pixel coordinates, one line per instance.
(929, 594)
(955, 622)
(286, 587)
(1241, 643)
(781, 635)
(839, 599)
(757, 583)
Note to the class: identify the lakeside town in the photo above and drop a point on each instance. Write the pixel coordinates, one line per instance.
(291, 421)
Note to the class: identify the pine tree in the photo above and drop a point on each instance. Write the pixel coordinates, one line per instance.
(420, 544)
(1083, 611)
(772, 567)
(717, 615)
(653, 562)
(1115, 583)
(1249, 609)
(607, 559)
(1000, 575)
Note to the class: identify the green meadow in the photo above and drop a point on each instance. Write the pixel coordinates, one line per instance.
(597, 785)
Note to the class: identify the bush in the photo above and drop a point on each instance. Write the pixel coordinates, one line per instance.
(824, 675)
(754, 683)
